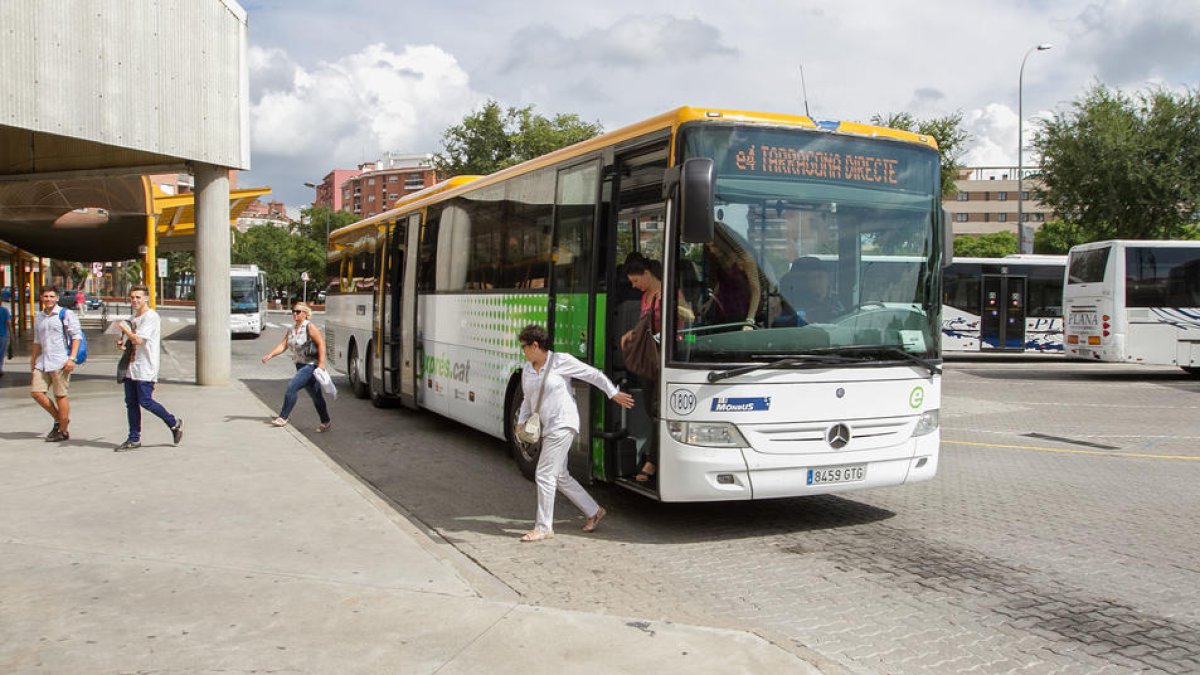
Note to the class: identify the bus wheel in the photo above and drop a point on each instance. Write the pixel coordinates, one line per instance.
(525, 455)
(1191, 370)
(354, 365)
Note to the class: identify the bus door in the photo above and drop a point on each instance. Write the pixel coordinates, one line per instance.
(573, 298)
(381, 372)
(387, 353)
(1002, 313)
(405, 294)
(636, 222)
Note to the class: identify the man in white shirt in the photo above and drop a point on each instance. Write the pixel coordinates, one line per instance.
(56, 337)
(144, 332)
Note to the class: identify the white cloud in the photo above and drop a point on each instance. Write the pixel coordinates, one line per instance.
(1134, 44)
(323, 99)
(993, 130)
(358, 106)
(633, 41)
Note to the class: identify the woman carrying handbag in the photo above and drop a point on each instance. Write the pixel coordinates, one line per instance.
(307, 345)
(546, 383)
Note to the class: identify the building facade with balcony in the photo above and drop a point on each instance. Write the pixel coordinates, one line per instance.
(329, 193)
(379, 185)
(987, 200)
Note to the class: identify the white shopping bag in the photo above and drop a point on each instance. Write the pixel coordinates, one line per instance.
(326, 382)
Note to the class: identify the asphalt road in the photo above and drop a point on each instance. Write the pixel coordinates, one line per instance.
(1059, 535)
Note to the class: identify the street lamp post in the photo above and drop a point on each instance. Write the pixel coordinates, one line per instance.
(1024, 240)
(314, 187)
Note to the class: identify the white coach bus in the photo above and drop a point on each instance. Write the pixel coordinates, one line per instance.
(1134, 302)
(762, 394)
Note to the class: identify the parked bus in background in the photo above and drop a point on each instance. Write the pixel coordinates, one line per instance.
(762, 391)
(1009, 304)
(1134, 302)
(248, 299)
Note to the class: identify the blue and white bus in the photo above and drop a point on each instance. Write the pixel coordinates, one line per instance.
(1009, 304)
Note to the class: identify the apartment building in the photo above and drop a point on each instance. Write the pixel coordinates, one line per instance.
(375, 187)
(987, 201)
(329, 193)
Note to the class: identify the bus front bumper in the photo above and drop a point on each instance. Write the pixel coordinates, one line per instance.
(691, 473)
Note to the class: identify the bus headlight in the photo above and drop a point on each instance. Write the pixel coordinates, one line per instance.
(927, 423)
(707, 434)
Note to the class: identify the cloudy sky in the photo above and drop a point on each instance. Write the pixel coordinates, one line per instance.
(334, 84)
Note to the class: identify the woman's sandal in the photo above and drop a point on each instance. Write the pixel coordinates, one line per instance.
(645, 476)
(279, 422)
(593, 521)
(323, 427)
(536, 535)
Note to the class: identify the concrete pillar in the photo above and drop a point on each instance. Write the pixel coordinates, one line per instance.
(213, 349)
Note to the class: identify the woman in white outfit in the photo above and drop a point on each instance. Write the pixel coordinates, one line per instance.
(560, 425)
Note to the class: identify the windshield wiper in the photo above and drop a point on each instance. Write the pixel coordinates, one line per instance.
(891, 350)
(808, 359)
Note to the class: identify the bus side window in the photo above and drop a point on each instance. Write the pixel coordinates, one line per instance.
(427, 251)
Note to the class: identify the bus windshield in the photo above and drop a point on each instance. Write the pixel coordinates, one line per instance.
(822, 241)
(244, 295)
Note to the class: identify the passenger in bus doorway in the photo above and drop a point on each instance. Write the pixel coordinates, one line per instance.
(546, 385)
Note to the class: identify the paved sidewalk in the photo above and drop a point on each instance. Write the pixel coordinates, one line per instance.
(247, 549)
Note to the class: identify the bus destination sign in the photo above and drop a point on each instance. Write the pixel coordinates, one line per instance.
(825, 164)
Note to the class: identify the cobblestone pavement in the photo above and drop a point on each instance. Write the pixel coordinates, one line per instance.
(1059, 535)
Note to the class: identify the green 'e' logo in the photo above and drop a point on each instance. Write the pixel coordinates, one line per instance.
(916, 397)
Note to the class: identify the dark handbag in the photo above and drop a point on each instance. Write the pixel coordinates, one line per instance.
(123, 362)
(309, 351)
(641, 353)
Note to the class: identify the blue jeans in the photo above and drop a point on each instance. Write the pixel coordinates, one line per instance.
(3, 351)
(303, 379)
(140, 394)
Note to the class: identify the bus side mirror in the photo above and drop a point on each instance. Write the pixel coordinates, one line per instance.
(694, 180)
(947, 240)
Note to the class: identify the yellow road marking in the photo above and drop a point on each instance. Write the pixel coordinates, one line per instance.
(1073, 451)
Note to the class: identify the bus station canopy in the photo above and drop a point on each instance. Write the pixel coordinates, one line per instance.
(100, 218)
(176, 216)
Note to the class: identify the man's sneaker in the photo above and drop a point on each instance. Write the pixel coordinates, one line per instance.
(53, 435)
(128, 445)
(177, 430)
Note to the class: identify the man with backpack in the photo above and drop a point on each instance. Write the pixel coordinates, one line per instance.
(57, 337)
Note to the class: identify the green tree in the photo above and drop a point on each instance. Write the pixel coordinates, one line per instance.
(948, 133)
(494, 138)
(317, 221)
(1122, 166)
(995, 245)
(283, 255)
(1057, 237)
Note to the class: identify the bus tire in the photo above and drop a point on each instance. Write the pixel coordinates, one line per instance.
(525, 456)
(1191, 370)
(354, 370)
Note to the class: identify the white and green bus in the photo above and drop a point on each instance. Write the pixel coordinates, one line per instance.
(761, 395)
